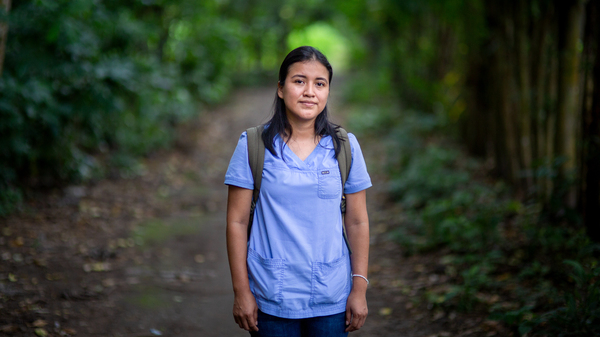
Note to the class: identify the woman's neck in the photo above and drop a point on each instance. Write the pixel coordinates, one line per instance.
(302, 131)
(302, 140)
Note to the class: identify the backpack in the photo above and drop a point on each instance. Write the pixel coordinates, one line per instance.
(256, 158)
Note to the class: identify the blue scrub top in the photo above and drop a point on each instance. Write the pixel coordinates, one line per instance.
(298, 262)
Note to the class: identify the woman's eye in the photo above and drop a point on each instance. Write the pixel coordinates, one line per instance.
(298, 81)
(321, 84)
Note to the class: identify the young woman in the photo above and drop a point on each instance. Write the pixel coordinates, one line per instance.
(295, 275)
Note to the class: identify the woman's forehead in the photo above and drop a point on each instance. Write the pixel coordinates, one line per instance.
(312, 68)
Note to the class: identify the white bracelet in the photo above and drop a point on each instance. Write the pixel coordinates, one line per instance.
(362, 277)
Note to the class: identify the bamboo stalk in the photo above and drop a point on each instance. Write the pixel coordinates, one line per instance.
(4, 5)
(568, 93)
(524, 91)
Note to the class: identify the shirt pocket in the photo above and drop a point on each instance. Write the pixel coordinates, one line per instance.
(266, 277)
(330, 184)
(330, 281)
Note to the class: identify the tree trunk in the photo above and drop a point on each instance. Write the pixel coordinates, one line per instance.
(524, 90)
(5, 6)
(568, 91)
(508, 113)
(591, 155)
(539, 77)
(551, 89)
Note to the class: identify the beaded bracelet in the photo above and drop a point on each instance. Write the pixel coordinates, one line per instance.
(362, 277)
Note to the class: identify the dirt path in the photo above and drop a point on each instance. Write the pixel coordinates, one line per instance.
(146, 256)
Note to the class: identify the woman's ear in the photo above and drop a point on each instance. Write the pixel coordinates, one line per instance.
(280, 90)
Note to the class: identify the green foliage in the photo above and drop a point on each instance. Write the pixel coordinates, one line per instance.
(445, 206)
(327, 39)
(577, 315)
(496, 245)
(10, 199)
(421, 46)
(89, 84)
(580, 315)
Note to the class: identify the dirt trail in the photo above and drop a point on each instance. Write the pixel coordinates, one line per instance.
(146, 256)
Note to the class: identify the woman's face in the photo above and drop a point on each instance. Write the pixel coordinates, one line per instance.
(305, 90)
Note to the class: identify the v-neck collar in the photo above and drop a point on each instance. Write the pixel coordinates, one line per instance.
(306, 163)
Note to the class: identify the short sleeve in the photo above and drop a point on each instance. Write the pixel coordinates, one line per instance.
(239, 173)
(358, 178)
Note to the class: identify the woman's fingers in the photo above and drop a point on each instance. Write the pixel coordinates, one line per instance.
(356, 312)
(247, 322)
(245, 312)
(356, 322)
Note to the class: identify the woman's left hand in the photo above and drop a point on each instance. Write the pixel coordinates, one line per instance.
(356, 310)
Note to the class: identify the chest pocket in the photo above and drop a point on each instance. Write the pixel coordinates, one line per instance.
(330, 183)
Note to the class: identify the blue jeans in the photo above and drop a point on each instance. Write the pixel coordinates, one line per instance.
(323, 326)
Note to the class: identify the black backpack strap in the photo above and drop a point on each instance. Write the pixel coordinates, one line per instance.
(256, 159)
(344, 159)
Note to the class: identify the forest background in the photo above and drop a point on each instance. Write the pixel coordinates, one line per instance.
(87, 88)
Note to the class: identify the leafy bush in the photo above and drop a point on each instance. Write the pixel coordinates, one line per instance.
(496, 245)
(83, 78)
(580, 315)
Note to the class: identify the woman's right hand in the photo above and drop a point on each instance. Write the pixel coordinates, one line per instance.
(245, 311)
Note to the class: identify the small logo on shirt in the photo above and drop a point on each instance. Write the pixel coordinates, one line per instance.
(324, 172)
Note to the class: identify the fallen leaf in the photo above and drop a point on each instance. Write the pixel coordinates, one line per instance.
(385, 311)
(108, 283)
(9, 328)
(96, 266)
(490, 325)
(69, 331)
(40, 323)
(17, 257)
(438, 315)
(381, 228)
(121, 242)
(41, 332)
(40, 262)
(18, 242)
(199, 258)
(12, 278)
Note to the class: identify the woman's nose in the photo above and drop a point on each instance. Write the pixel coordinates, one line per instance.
(309, 91)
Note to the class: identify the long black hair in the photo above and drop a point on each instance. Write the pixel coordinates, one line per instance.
(279, 124)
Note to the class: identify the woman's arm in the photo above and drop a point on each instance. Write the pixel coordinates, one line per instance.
(357, 228)
(245, 310)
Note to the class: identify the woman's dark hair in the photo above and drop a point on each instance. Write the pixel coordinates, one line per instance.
(279, 124)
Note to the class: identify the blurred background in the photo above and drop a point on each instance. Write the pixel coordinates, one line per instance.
(487, 114)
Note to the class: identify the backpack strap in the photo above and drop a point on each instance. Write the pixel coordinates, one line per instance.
(344, 159)
(256, 159)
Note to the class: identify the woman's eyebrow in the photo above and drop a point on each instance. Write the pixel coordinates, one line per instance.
(304, 76)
